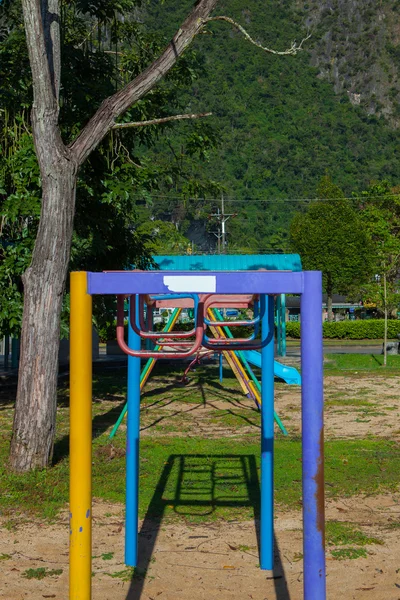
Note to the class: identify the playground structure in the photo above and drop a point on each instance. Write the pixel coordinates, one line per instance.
(239, 361)
(207, 293)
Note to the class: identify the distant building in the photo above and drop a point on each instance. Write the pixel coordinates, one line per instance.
(342, 309)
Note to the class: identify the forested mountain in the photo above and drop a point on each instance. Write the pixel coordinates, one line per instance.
(283, 122)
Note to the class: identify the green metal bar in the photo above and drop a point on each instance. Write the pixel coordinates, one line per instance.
(250, 371)
(149, 364)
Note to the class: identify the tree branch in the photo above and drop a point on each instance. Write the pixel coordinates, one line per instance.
(114, 106)
(159, 121)
(51, 26)
(44, 98)
(292, 51)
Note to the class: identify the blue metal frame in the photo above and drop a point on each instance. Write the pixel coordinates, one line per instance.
(309, 285)
(132, 451)
(267, 436)
(155, 282)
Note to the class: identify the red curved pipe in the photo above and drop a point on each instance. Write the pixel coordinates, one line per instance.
(148, 354)
(195, 361)
(152, 335)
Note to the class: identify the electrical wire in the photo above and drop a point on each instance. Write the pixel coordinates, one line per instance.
(268, 200)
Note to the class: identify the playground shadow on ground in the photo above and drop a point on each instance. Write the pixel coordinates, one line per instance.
(199, 484)
(100, 424)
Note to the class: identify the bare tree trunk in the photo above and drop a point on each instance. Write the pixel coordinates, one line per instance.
(44, 281)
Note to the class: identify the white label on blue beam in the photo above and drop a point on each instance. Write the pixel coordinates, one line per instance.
(191, 283)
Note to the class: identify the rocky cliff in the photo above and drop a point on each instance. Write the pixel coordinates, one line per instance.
(356, 46)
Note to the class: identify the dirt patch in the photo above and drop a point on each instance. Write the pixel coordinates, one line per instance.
(180, 561)
(354, 408)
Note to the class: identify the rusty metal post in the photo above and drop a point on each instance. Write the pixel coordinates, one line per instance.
(313, 437)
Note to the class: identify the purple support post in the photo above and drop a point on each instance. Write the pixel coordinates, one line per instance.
(313, 437)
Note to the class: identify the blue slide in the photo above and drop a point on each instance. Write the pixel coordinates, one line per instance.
(289, 374)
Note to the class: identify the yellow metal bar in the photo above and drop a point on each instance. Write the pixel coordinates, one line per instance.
(80, 566)
(233, 361)
(171, 324)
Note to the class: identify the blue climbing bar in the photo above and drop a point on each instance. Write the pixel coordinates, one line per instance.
(267, 435)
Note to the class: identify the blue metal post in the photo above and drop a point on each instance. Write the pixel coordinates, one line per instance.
(283, 324)
(267, 438)
(313, 437)
(221, 368)
(132, 451)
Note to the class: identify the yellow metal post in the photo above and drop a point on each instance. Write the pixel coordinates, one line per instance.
(80, 566)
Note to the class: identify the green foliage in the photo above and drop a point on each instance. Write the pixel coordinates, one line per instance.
(331, 238)
(19, 215)
(104, 45)
(280, 126)
(380, 211)
(371, 329)
(163, 238)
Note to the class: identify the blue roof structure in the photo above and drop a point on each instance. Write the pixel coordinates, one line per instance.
(229, 262)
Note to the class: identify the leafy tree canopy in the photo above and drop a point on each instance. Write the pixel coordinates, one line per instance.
(330, 236)
(380, 212)
(104, 45)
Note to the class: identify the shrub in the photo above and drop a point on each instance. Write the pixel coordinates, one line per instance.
(370, 329)
(293, 329)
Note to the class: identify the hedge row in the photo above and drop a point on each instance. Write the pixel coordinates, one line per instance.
(370, 329)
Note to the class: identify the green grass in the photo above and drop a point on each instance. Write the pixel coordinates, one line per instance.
(203, 479)
(191, 478)
(129, 574)
(361, 363)
(41, 573)
(342, 533)
(342, 400)
(349, 553)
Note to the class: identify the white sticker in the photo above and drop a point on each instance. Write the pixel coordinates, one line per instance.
(191, 283)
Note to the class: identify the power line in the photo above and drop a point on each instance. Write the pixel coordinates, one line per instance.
(222, 218)
(267, 200)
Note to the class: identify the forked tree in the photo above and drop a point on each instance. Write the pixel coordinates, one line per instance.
(44, 280)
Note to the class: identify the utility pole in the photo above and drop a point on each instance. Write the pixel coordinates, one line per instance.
(222, 218)
(218, 235)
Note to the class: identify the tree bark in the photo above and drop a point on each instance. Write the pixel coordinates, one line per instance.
(44, 281)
